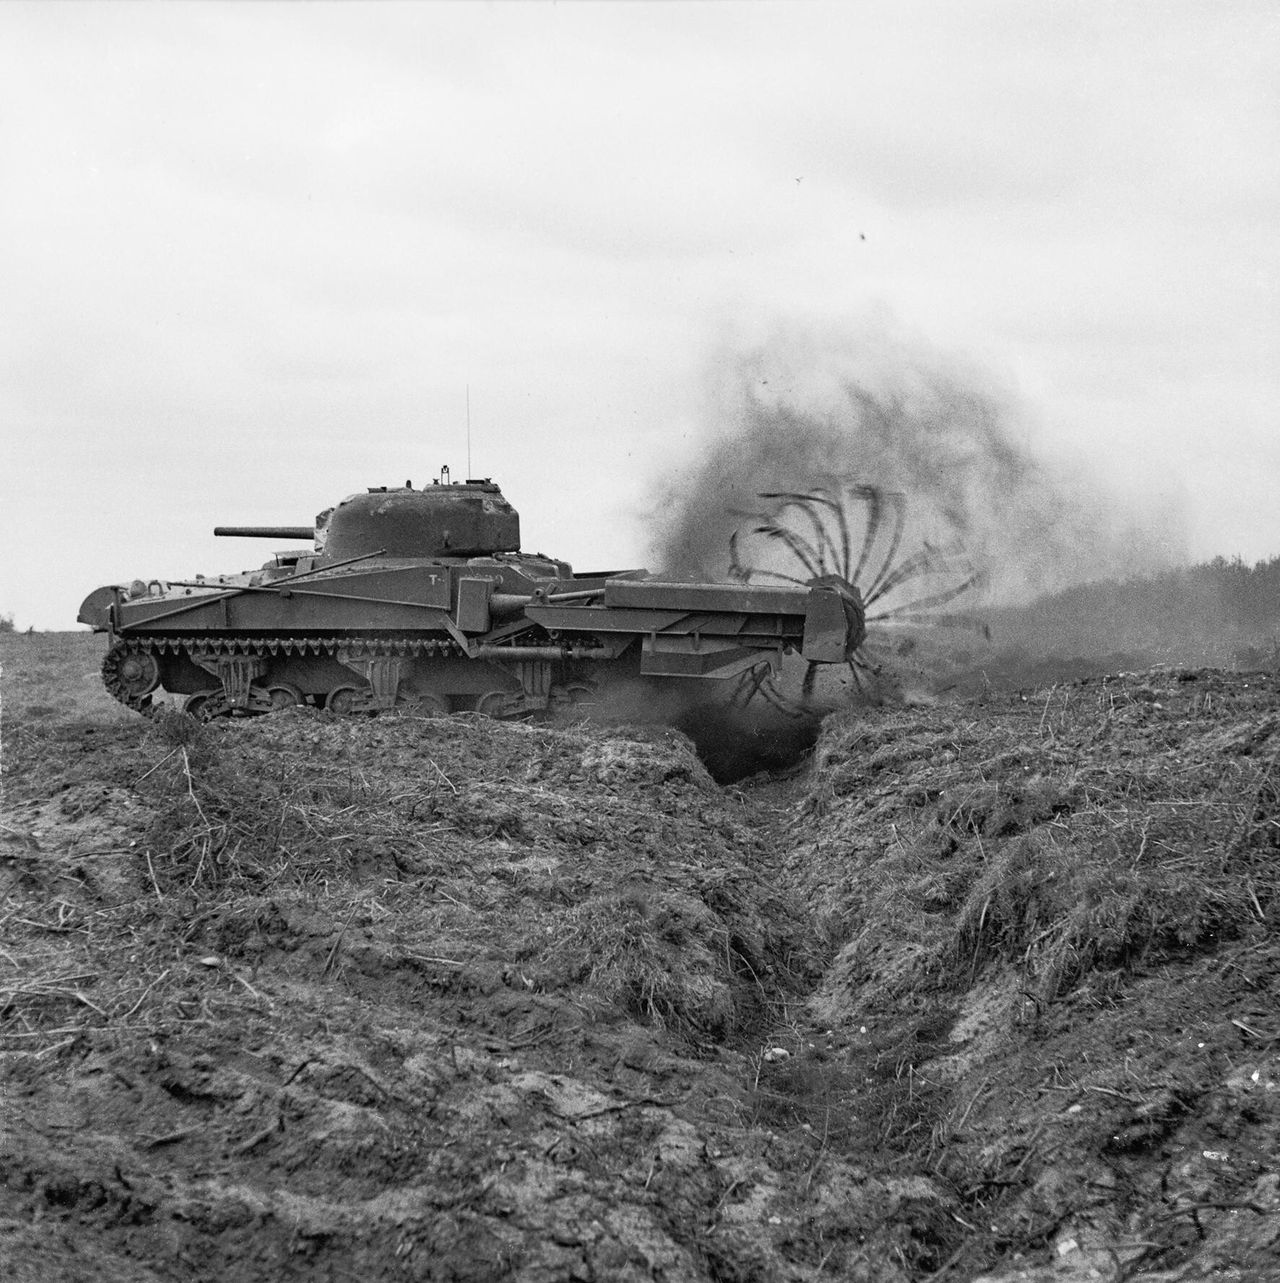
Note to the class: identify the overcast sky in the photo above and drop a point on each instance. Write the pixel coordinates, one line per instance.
(253, 256)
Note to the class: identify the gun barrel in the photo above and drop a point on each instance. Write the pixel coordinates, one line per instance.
(267, 532)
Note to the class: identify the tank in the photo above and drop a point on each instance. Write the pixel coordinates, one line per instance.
(421, 600)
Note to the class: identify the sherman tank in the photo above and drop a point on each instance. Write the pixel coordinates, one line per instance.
(421, 600)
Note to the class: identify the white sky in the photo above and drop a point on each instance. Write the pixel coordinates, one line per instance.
(253, 255)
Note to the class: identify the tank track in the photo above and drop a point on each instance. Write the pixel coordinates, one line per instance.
(127, 654)
(295, 645)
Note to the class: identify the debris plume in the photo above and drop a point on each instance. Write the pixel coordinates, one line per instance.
(802, 411)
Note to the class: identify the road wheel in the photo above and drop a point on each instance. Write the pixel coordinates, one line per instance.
(497, 704)
(343, 700)
(284, 695)
(203, 705)
(569, 698)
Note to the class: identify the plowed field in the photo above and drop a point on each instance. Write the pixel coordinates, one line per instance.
(982, 989)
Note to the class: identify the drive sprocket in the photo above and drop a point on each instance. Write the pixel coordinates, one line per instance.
(130, 674)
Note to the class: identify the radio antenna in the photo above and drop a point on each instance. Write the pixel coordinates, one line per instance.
(468, 429)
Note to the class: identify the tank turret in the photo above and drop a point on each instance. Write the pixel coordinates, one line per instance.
(462, 519)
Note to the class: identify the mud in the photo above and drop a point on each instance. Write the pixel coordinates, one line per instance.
(987, 990)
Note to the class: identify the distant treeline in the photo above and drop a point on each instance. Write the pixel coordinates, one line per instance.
(1220, 612)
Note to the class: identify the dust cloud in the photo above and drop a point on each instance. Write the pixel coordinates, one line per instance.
(864, 405)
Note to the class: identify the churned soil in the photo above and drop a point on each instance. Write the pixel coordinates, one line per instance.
(983, 988)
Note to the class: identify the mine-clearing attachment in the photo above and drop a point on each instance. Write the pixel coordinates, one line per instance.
(849, 538)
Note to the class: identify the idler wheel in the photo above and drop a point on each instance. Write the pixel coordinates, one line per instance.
(284, 695)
